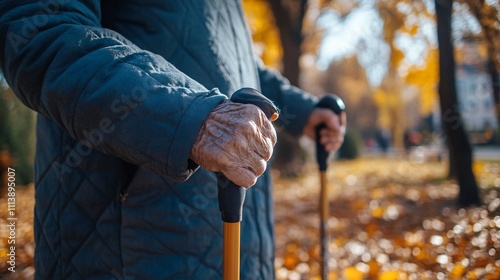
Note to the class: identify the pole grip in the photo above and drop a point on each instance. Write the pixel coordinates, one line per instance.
(232, 196)
(334, 103)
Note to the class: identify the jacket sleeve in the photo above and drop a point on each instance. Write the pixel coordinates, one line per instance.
(99, 87)
(295, 105)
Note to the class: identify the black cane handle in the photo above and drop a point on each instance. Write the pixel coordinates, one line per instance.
(232, 196)
(334, 103)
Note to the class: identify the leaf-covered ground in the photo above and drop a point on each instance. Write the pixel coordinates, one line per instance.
(25, 246)
(390, 219)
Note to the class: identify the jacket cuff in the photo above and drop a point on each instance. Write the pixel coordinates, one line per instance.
(179, 165)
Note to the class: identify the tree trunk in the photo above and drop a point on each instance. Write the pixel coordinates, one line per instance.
(289, 155)
(290, 29)
(452, 172)
(458, 144)
(291, 56)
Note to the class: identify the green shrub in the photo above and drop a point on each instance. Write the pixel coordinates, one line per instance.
(17, 134)
(351, 148)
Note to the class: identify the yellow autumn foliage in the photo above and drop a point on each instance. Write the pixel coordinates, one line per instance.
(352, 273)
(265, 34)
(396, 56)
(392, 275)
(426, 78)
(457, 272)
(411, 30)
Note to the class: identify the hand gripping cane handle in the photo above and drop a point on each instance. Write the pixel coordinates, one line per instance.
(334, 103)
(232, 196)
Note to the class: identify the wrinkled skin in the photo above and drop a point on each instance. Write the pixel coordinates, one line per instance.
(237, 140)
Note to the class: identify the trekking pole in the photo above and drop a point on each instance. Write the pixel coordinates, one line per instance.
(334, 103)
(232, 196)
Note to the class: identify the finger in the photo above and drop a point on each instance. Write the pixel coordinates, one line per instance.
(329, 133)
(333, 147)
(259, 168)
(335, 127)
(266, 137)
(338, 144)
(263, 147)
(258, 154)
(260, 141)
(331, 141)
(329, 136)
(267, 129)
(241, 176)
(328, 147)
(343, 119)
(335, 124)
(272, 134)
(268, 140)
(248, 161)
(332, 121)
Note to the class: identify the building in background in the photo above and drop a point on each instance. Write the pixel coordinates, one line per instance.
(476, 104)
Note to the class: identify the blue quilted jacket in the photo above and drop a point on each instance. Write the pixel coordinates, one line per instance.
(121, 89)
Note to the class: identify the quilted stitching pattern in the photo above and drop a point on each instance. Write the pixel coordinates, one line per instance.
(84, 230)
(77, 224)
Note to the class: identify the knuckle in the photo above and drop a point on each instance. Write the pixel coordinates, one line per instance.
(260, 168)
(269, 153)
(243, 128)
(274, 136)
(241, 177)
(248, 179)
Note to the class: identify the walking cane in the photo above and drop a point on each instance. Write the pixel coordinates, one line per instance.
(334, 103)
(232, 196)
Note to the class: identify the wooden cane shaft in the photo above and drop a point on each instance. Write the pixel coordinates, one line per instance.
(324, 213)
(325, 209)
(231, 258)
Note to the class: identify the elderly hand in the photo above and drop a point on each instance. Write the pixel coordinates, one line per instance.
(237, 140)
(332, 136)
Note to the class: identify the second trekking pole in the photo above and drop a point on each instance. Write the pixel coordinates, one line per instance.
(335, 104)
